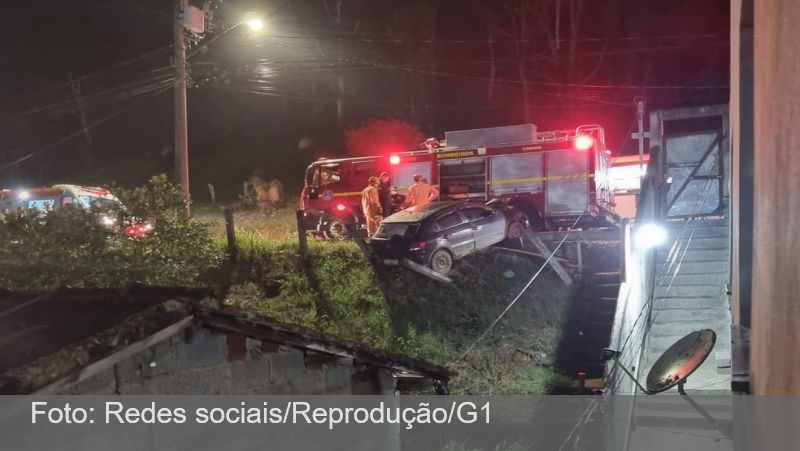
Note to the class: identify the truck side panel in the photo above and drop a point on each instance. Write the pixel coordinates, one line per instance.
(520, 173)
(568, 180)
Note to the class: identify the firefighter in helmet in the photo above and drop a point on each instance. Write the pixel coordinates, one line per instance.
(420, 193)
(371, 206)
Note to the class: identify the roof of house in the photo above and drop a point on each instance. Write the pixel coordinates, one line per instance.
(51, 341)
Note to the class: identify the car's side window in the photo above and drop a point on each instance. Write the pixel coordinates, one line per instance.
(476, 213)
(448, 220)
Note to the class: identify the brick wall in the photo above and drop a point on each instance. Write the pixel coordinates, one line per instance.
(200, 362)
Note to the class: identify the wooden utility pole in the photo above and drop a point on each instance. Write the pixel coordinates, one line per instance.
(642, 135)
(181, 114)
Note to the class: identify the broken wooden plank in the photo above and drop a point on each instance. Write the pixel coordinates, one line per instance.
(356, 235)
(564, 261)
(554, 263)
(587, 235)
(424, 270)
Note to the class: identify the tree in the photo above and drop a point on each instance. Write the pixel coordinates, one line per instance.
(382, 136)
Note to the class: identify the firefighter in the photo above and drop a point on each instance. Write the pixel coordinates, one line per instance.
(420, 193)
(371, 206)
(385, 193)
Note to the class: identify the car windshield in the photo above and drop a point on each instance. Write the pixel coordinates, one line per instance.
(397, 230)
(99, 202)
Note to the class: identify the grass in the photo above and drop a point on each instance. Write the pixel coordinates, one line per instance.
(263, 224)
(337, 291)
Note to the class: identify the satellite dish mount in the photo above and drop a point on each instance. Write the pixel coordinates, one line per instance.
(675, 366)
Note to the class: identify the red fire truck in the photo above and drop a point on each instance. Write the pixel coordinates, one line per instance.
(554, 177)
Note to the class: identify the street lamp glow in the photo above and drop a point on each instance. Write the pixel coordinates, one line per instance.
(255, 24)
(650, 235)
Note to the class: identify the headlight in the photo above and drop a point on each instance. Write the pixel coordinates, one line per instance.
(108, 221)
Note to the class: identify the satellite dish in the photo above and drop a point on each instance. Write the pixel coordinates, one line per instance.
(681, 360)
(675, 365)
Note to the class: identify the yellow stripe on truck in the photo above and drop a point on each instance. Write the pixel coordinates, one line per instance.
(503, 182)
(539, 179)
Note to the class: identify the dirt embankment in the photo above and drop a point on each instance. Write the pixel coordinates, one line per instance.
(336, 291)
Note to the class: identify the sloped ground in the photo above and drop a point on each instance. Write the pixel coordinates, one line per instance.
(337, 291)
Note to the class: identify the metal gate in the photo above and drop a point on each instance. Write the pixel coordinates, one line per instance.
(692, 146)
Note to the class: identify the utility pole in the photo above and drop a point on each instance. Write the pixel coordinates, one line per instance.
(641, 136)
(181, 115)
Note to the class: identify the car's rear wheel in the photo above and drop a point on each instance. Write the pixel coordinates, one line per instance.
(441, 261)
(516, 230)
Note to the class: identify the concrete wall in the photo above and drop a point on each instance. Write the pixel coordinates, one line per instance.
(775, 336)
(630, 320)
(205, 363)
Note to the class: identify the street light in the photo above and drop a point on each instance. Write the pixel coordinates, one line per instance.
(649, 235)
(181, 113)
(255, 24)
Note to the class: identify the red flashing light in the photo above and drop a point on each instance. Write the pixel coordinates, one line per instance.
(340, 207)
(394, 159)
(584, 142)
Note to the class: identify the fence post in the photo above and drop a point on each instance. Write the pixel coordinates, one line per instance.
(213, 194)
(302, 238)
(230, 232)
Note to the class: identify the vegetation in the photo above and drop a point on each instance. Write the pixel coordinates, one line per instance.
(334, 290)
(71, 247)
(381, 136)
(254, 224)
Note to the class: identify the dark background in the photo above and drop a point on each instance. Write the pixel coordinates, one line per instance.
(85, 87)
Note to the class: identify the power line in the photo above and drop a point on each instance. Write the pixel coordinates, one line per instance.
(272, 93)
(524, 289)
(405, 40)
(543, 83)
(61, 140)
(117, 90)
(91, 75)
(70, 136)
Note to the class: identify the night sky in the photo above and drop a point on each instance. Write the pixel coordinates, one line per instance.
(253, 98)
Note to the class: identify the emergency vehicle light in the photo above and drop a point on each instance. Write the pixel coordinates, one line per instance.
(584, 142)
(340, 207)
(394, 159)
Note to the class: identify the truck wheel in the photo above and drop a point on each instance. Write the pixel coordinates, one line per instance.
(516, 230)
(441, 261)
(336, 230)
(532, 213)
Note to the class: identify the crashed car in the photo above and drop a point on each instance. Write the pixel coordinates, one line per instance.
(437, 234)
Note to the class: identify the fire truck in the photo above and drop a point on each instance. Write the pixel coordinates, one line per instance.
(557, 178)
